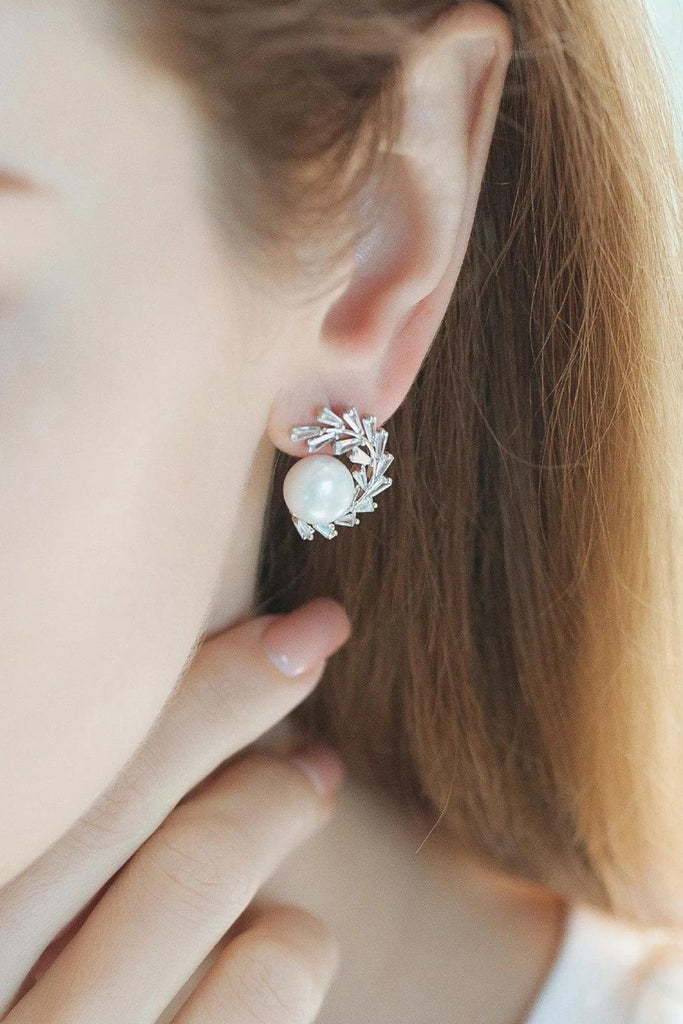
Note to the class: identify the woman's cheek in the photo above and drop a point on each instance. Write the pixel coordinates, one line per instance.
(34, 230)
(107, 556)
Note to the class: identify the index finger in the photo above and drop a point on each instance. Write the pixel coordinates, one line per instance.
(231, 693)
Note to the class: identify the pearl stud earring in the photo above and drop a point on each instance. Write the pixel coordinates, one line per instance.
(319, 490)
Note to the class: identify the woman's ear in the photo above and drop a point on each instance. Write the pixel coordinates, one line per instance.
(378, 329)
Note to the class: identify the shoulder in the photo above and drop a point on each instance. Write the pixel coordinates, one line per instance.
(610, 972)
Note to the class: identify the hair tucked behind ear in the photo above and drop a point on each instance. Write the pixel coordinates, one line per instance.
(516, 664)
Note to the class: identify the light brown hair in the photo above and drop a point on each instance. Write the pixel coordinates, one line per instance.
(516, 666)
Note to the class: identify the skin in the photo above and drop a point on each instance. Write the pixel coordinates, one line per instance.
(148, 373)
(143, 886)
(137, 902)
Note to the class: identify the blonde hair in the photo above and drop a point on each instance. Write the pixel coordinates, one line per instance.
(516, 664)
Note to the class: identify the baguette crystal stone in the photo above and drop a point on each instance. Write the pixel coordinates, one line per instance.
(342, 447)
(320, 492)
(378, 485)
(353, 420)
(360, 456)
(366, 505)
(305, 531)
(383, 464)
(331, 419)
(301, 433)
(349, 519)
(370, 426)
(326, 530)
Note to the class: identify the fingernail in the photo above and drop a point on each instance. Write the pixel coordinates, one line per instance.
(322, 766)
(301, 639)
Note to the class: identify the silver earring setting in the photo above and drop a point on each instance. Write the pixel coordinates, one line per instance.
(319, 490)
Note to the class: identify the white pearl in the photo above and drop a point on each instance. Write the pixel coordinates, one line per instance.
(318, 489)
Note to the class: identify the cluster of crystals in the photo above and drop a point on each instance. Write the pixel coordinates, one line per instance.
(350, 435)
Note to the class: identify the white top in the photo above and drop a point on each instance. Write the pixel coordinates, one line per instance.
(608, 972)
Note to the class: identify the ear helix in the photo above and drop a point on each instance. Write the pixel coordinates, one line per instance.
(320, 491)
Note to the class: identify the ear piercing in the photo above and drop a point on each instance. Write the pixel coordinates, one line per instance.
(321, 491)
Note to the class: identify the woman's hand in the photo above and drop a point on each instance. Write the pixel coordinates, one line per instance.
(115, 919)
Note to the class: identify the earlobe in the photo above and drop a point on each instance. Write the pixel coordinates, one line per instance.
(407, 265)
